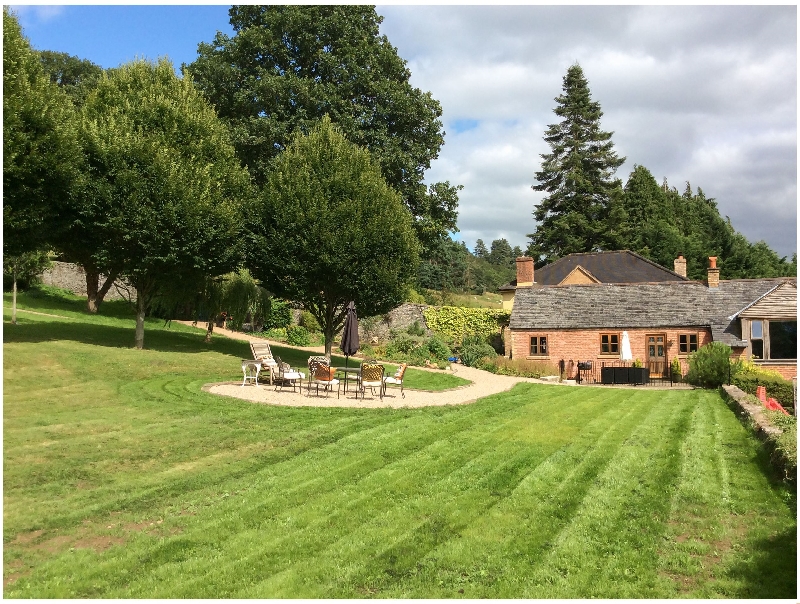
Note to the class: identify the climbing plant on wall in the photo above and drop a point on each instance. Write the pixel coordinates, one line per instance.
(455, 322)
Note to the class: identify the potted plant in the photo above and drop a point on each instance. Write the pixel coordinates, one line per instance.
(638, 373)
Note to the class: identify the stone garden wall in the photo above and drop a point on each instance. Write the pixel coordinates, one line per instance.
(376, 329)
(73, 278)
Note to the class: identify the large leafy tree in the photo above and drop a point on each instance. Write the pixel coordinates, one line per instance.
(167, 188)
(288, 66)
(76, 239)
(577, 175)
(41, 156)
(328, 229)
(75, 76)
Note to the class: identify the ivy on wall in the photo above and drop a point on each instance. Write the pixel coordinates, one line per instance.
(455, 322)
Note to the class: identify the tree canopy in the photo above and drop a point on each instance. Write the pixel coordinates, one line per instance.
(41, 155)
(328, 229)
(75, 238)
(75, 76)
(166, 201)
(577, 175)
(660, 223)
(287, 66)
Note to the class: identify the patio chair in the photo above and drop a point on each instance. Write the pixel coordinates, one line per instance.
(396, 379)
(320, 373)
(286, 376)
(371, 376)
(262, 352)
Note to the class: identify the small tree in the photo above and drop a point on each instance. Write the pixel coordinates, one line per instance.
(167, 194)
(27, 266)
(328, 230)
(710, 366)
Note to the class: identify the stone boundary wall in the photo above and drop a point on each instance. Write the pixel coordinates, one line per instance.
(753, 414)
(745, 406)
(72, 277)
(375, 330)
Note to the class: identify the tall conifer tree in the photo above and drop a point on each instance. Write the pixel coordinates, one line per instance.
(578, 176)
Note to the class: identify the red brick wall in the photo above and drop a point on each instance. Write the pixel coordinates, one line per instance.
(788, 370)
(584, 345)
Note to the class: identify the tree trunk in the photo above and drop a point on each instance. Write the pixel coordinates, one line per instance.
(210, 330)
(101, 294)
(328, 331)
(92, 279)
(94, 293)
(140, 312)
(14, 297)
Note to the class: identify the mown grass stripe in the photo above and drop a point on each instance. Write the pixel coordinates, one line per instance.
(190, 494)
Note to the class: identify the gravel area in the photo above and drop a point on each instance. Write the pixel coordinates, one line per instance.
(483, 384)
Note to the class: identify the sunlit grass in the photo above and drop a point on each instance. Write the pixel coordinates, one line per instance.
(122, 478)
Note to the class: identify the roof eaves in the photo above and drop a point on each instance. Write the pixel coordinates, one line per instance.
(737, 313)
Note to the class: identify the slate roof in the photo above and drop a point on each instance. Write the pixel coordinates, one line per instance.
(640, 305)
(608, 267)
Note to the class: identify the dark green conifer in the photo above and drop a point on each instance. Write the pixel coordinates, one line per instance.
(578, 176)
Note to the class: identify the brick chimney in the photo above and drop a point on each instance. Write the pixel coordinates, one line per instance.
(680, 265)
(713, 272)
(524, 271)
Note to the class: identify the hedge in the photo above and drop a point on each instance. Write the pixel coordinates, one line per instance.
(778, 388)
(456, 322)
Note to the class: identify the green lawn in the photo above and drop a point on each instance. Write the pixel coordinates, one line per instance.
(123, 479)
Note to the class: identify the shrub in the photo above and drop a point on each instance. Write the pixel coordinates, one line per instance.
(784, 454)
(518, 367)
(710, 366)
(415, 329)
(437, 348)
(297, 335)
(455, 322)
(402, 344)
(276, 333)
(415, 298)
(373, 351)
(777, 387)
(279, 315)
(475, 348)
(308, 321)
(675, 368)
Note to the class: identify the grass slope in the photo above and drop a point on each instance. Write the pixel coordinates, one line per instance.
(123, 479)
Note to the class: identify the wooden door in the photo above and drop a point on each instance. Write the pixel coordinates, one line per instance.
(656, 354)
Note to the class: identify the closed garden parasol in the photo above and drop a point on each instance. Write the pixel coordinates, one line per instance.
(349, 345)
(625, 353)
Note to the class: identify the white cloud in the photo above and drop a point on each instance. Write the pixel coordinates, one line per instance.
(32, 14)
(700, 94)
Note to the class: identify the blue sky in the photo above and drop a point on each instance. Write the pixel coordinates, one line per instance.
(111, 35)
(699, 94)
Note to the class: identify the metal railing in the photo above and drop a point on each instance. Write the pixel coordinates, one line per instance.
(658, 373)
